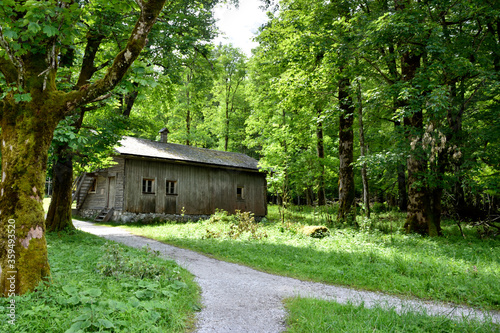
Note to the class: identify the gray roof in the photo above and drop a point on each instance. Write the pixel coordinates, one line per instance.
(171, 151)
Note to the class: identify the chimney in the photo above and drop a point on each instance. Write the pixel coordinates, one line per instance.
(164, 135)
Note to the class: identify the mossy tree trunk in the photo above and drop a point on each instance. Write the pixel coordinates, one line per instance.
(28, 126)
(25, 144)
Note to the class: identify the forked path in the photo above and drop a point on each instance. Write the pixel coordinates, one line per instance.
(239, 299)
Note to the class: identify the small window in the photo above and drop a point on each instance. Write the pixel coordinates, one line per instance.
(148, 185)
(171, 187)
(240, 193)
(93, 185)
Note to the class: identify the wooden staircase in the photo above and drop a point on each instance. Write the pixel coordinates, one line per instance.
(81, 188)
(105, 215)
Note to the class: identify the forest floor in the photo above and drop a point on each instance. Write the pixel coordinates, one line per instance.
(236, 298)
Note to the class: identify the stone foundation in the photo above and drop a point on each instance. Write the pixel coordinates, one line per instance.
(127, 217)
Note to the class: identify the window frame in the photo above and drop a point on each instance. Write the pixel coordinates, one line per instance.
(241, 195)
(167, 187)
(144, 186)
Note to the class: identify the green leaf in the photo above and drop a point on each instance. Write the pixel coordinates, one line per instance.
(73, 300)
(144, 294)
(70, 290)
(179, 285)
(94, 292)
(10, 34)
(34, 27)
(22, 97)
(50, 30)
(106, 323)
(134, 302)
(75, 328)
(83, 317)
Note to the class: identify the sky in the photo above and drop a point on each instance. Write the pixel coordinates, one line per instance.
(239, 26)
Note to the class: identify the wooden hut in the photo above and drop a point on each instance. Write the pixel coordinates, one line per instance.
(160, 179)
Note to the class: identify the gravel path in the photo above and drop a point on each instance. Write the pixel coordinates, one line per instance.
(240, 299)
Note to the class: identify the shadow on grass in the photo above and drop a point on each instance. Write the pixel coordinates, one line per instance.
(407, 265)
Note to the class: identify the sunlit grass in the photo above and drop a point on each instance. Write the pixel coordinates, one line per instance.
(312, 315)
(448, 268)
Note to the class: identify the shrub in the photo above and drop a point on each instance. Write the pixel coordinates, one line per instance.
(116, 263)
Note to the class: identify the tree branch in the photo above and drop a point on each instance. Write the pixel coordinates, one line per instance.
(389, 80)
(88, 69)
(122, 61)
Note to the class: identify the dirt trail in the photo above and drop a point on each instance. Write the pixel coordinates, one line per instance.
(240, 299)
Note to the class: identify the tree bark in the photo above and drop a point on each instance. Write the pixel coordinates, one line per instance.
(59, 213)
(347, 209)
(402, 194)
(364, 176)
(320, 148)
(419, 216)
(25, 145)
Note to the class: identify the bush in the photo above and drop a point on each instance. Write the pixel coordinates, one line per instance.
(239, 224)
(116, 263)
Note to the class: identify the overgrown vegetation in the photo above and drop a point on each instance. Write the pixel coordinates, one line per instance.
(378, 256)
(105, 287)
(312, 315)
(233, 226)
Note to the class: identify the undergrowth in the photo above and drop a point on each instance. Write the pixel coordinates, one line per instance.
(105, 287)
(378, 256)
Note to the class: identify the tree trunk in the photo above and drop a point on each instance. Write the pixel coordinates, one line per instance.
(226, 130)
(402, 195)
(25, 144)
(321, 157)
(347, 210)
(59, 214)
(419, 215)
(364, 176)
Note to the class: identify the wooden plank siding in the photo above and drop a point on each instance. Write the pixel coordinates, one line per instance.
(199, 190)
(108, 179)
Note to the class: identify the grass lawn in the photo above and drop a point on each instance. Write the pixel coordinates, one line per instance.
(312, 315)
(449, 268)
(105, 287)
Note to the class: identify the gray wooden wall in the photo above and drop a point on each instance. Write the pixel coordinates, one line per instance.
(200, 190)
(99, 199)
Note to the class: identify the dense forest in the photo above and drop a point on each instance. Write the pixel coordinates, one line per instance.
(357, 103)
(354, 102)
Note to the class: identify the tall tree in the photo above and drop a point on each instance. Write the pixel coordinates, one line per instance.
(33, 33)
(186, 19)
(228, 90)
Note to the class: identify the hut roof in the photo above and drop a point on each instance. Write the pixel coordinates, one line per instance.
(171, 151)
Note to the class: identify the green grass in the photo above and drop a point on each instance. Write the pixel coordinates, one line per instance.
(449, 268)
(312, 315)
(97, 286)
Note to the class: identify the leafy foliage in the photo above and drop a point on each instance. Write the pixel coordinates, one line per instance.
(81, 299)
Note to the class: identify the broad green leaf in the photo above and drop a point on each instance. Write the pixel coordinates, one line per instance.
(50, 30)
(106, 323)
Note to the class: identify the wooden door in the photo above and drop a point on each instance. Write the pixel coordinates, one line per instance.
(111, 192)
